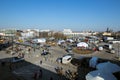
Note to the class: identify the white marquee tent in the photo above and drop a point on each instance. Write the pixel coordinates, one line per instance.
(40, 40)
(100, 75)
(82, 44)
(60, 41)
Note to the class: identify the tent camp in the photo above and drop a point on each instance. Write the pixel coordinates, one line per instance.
(100, 75)
(108, 67)
(82, 44)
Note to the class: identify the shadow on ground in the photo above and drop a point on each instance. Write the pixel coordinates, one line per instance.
(24, 70)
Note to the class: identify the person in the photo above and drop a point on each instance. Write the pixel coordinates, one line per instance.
(40, 61)
(40, 73)
(29, 49)
(22, 55)
(35, 76)
(3, 63)
(51, 78)
(34, 49)
(10, 66)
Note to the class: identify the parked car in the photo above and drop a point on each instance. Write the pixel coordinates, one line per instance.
(45, 53)
(69, 49)
(66, 59)
(59, 60)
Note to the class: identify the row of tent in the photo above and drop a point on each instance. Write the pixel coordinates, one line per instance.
(80, 44)
(43, 40)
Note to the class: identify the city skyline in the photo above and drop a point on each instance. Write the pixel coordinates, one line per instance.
(77, 15)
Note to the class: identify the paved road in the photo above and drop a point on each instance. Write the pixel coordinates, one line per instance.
(49, 62)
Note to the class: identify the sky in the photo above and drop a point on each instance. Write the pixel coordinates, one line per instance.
(77, 15)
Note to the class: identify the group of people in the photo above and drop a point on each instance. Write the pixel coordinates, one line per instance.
(38, 74)
(59, 70)
(68, 73)
(21, 55)
(71, 75)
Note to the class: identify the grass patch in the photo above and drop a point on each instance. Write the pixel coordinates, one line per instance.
(82, 51)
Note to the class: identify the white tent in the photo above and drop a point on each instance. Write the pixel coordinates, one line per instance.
(100, 48)
(82, 44)
(99, 75)
(40, 40)
(108, 67)
(2, 34)
(60, 41)
(70, 40)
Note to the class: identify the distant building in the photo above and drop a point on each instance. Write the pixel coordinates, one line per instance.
(47, 30)
(39, 40)
(45, 33)
(30, 33)
(107, 34)
(7, 32)
(70, 33)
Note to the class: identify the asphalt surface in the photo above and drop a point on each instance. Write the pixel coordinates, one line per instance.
(49, 62)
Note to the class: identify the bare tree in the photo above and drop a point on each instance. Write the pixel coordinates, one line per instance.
(58, 35)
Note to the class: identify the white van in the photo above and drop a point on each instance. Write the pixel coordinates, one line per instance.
(66, 59)
(108, 46)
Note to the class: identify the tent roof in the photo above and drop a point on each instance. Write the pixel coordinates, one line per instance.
(108, 66)
(66, 57)
(100, 75)
(82, 44)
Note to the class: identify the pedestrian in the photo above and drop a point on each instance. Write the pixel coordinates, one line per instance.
(10, 66)
(40, 73)
(40, 61)
(23, 55)
(34, 49)
(51, 78)
(35, 76)
(3, 63)
(29, 49)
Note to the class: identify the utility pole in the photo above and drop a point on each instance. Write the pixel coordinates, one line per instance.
(12, 36)
(118, 51)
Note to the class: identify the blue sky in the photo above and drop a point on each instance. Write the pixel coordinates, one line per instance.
(77, 15)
